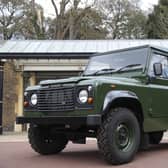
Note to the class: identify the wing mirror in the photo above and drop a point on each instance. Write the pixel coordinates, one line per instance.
(157, 69)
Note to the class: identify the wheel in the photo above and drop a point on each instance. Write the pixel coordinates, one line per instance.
(155, 137)
(45, 144)
(119, 136)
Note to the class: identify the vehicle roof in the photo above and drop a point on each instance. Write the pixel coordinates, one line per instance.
(160, 49)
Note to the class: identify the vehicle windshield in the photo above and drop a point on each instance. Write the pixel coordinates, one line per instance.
(111, 62)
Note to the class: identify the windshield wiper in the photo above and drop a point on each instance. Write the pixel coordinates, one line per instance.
(107, 70)
(128, 66)
(112, 70)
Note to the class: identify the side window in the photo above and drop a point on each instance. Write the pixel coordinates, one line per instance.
(157, 58)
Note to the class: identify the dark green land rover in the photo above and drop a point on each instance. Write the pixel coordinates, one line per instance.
(121, 99)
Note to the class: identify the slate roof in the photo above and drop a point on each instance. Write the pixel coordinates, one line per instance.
(70, 48)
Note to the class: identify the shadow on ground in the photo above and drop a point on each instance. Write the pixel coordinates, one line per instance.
(76, 156)
(92, 156)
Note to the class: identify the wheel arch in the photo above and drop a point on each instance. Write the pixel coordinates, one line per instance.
(126, 99)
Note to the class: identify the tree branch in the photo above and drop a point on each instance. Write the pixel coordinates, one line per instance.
(82, 14)
(9, 19)
(63, 5)
(55, 7)
(65, 31)
(3, 16)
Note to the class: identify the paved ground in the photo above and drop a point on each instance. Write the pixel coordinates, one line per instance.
(15, 152)
(13, 137)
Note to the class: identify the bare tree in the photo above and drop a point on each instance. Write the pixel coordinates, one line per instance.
(69, 14)
(60, 27)
(11, 13)
(32, 26)
(21, 17)
(119, 16)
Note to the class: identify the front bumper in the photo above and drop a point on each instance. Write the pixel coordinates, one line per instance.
(90, 120)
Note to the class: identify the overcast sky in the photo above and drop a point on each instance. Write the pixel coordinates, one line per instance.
(148, 3)
(49, 11)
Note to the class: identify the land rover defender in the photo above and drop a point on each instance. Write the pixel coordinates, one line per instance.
(121, 99)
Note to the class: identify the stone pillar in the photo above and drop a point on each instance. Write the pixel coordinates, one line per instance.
(32, 79)
(9, 96)
(19, 103)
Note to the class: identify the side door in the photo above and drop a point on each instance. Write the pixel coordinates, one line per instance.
(159, 86)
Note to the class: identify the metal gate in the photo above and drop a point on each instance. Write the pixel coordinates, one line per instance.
(1, 94)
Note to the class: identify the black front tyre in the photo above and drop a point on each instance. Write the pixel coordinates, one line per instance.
(119, 136)
(43, 143)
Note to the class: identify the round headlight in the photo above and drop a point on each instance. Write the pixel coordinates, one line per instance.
(25, 93)
(83, 96)
(34, 99)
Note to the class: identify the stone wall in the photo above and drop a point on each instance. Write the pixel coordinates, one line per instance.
(9, 96)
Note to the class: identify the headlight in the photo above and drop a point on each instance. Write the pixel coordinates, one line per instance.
(83, 96)
(25, 93)
(34, 99)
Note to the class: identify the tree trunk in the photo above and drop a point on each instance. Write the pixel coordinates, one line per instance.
(71, 27)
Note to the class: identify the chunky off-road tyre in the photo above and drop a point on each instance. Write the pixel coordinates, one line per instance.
(119, 136)
(155, 137)
(43, 143)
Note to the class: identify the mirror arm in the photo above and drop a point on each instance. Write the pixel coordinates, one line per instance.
(150, 79)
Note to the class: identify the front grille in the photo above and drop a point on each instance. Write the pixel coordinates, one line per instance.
(56, 99)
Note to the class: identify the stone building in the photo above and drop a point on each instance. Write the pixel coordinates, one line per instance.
(25, 63)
